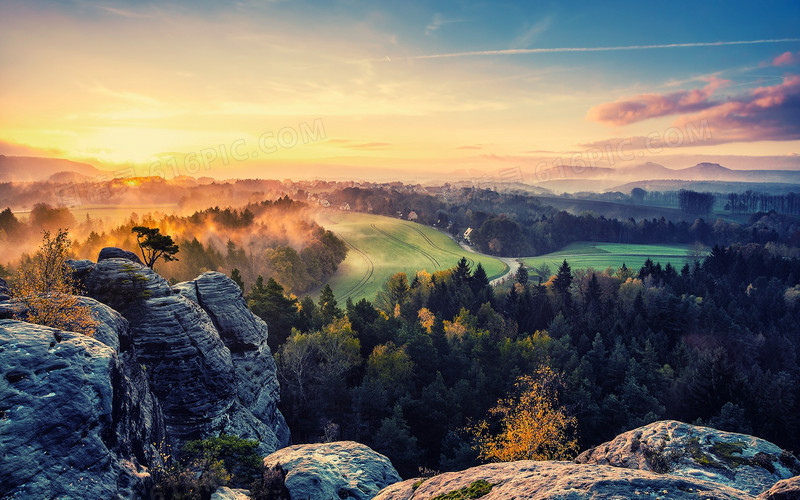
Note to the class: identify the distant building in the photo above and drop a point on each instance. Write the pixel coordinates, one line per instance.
(412, 215)
(344, 206)
(325, 203)
(467, 233)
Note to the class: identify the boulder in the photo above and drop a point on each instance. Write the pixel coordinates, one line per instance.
(75, 421)
(344, 469)
(741, 461)
(225, 493)
(543, 480)
(118, 253)
(80, 269)
(786, 489)
(110, 327)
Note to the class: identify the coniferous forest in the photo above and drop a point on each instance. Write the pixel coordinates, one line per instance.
(714, 343)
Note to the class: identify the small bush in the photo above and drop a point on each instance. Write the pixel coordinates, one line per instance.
(660, 461)
(206, 464)
(477, 489)
(271, 485)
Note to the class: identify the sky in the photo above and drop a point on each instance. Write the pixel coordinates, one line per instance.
(284, 89)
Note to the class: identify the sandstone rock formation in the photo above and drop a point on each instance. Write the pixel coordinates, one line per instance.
(85, 417)
(787, 489)
(75, 421)
(118, 253)
(741, 461)
(551, 480)
(206, 355)
(344, 469)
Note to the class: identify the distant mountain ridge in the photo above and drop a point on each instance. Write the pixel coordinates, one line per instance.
(32, 168)
(653, 171)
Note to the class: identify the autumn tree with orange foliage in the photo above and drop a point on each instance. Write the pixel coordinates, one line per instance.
(47, 289)
(532, 425)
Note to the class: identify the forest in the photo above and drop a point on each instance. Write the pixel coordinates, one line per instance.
(274, 237)
(713, 343)
(517, 224)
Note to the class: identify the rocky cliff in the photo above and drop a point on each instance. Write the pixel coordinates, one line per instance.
(667, 460)
(85, 417)
(740, 461)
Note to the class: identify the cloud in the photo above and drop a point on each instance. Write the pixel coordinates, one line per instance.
(437, 22)
(786, 59)
(469, 147)
(595, 49)
(363, 146)
(525, 39)
(14, 149)
(644, 106)
(767, 113)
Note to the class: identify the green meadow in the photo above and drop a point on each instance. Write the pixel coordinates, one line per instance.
(381, 246)
(600, 256)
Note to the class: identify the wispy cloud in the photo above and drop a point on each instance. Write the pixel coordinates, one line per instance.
(469, 147)
(786, 59)
(363, 146)
(761, 114)
(125, 13)
(644, 106)
(437, 22)
(524, 40)
(552, 50)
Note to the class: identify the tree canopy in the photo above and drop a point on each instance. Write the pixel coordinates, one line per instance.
(154, 245)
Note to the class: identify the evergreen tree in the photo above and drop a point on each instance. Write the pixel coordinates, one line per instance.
(562, 283)
(522, 274)
(269, 303)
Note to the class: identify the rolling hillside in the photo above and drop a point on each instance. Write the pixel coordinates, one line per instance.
(381, 246)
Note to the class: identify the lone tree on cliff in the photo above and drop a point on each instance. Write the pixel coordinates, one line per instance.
(154, 245)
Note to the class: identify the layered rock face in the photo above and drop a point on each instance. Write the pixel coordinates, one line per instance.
(86, 417)
(255, 413)
(206, 355)
(741, 461)
(344, 469)
(77, 421)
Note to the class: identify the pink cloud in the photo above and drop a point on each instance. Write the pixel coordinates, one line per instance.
(765, 113)
(469, 147)
(644, 106)
(770, 113)
(786, 59)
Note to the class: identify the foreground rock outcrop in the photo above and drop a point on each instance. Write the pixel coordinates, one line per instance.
(324, 471)
(665, 459)
(206, 355)
(76, 422)
(87, 417)
(560, 480)
(741, 461)
(256, 413)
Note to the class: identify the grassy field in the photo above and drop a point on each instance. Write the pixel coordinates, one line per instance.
(381, 246)
(599, 256)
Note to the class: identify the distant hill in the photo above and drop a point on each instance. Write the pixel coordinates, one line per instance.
(30, 168)
(571, 178)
